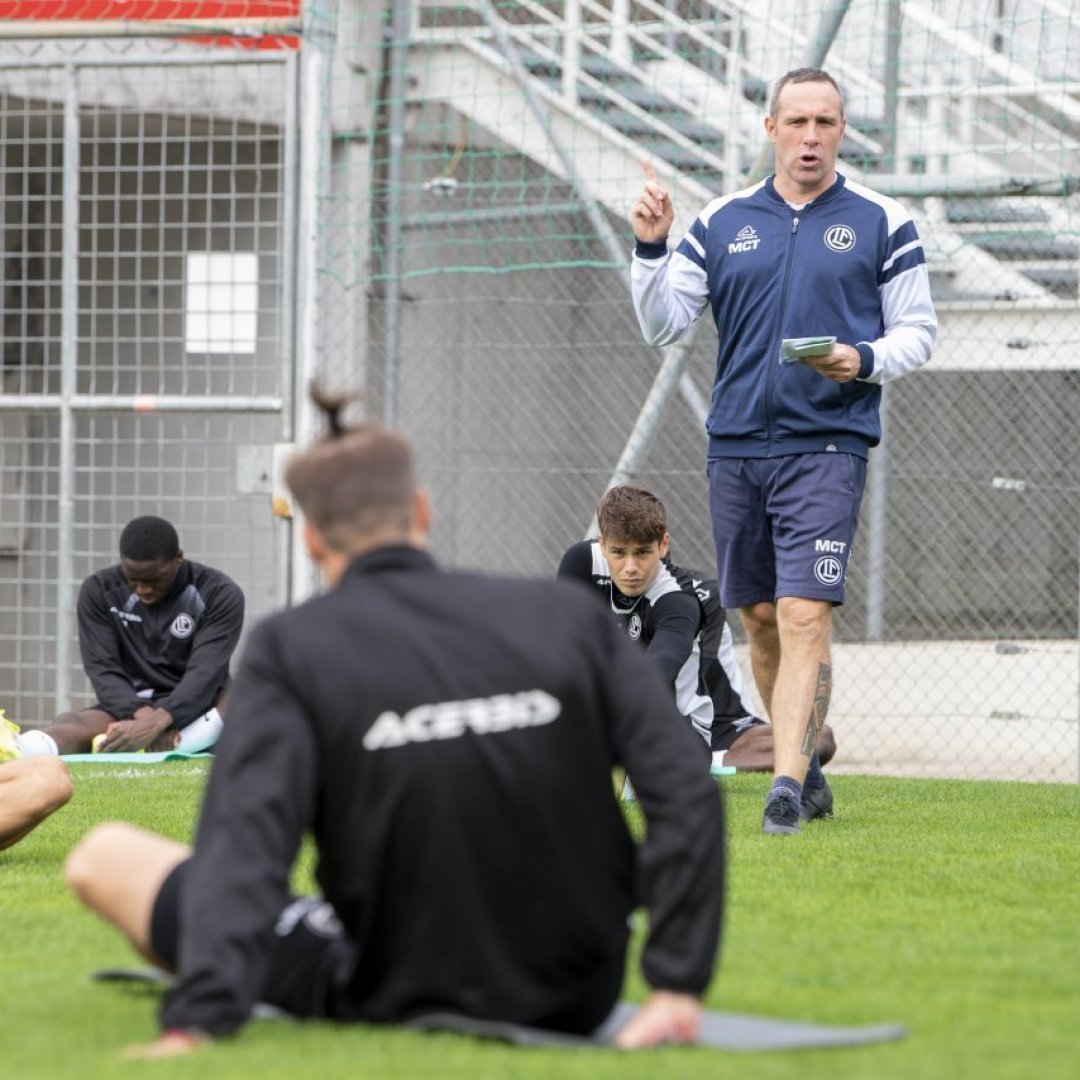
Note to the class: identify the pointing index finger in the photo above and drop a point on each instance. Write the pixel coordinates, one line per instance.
(652, 184)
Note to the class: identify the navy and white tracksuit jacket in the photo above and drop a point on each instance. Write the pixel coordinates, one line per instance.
(850, 264)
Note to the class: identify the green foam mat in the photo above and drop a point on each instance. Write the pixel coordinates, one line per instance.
(139, 757)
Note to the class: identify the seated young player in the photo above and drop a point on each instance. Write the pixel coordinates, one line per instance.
(30, 789)
(448, 740)
(675, 615)
(156, 633)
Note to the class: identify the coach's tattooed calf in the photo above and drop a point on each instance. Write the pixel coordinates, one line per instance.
(819, 708)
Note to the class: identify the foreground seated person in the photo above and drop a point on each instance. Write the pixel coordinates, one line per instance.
(676, 617)
(156, 633)
(30, 789)
(448, 739)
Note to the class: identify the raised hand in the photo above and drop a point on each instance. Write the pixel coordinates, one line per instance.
(652, 215)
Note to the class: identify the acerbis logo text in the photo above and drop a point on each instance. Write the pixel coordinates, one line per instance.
(451, 719)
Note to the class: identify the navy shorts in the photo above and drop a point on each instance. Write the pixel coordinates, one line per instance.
(784, 526)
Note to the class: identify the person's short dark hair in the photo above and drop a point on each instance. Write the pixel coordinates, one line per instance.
(149, 539)
(802, 75)
(357, 480)
(631, 513)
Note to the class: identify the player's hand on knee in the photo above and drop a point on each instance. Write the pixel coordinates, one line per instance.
(127, 736)
(666, 1018)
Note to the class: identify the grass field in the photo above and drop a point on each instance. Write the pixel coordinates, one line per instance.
(949, 907)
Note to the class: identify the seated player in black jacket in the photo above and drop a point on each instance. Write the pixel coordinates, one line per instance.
(156, 633)
(676, 617)
(448, 739)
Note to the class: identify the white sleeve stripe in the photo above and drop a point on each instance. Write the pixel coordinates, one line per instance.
(599, 563)
(665, 583)
(695, 243)
(899, 252)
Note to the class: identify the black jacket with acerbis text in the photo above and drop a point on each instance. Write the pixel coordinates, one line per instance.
(448, 739)
(178, 647)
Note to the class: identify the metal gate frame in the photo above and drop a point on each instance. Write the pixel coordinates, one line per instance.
(297, 260)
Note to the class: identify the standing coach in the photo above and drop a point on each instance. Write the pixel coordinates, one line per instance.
(805, 254)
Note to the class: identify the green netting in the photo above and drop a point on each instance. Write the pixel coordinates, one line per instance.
(474, 248)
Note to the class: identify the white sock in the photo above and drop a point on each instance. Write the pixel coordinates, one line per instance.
(718, 759)
(37, 744)
(201, 733)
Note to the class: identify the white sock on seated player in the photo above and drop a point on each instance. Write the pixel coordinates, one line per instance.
(37, 744)
(201, 733)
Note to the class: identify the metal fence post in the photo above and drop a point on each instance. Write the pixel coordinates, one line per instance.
(69, 319)
(288, 302)
(397, 59)
(878, 518)
(320, 31)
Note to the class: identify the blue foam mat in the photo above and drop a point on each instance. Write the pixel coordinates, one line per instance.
(721, 1031)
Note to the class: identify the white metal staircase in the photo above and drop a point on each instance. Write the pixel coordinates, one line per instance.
(690, 93)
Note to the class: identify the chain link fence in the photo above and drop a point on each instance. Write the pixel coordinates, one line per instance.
(147, 306)
(474, 260)
(436, 195)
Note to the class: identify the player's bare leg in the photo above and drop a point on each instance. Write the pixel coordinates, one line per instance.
(117, 870)
(752, 751)
(798, 699)
(759, 620)
(30, 790)
(70, 733)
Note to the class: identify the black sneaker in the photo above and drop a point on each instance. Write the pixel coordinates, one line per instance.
(816, 802)
(781, 816)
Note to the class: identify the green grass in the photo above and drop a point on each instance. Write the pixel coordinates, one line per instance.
(950, 907)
